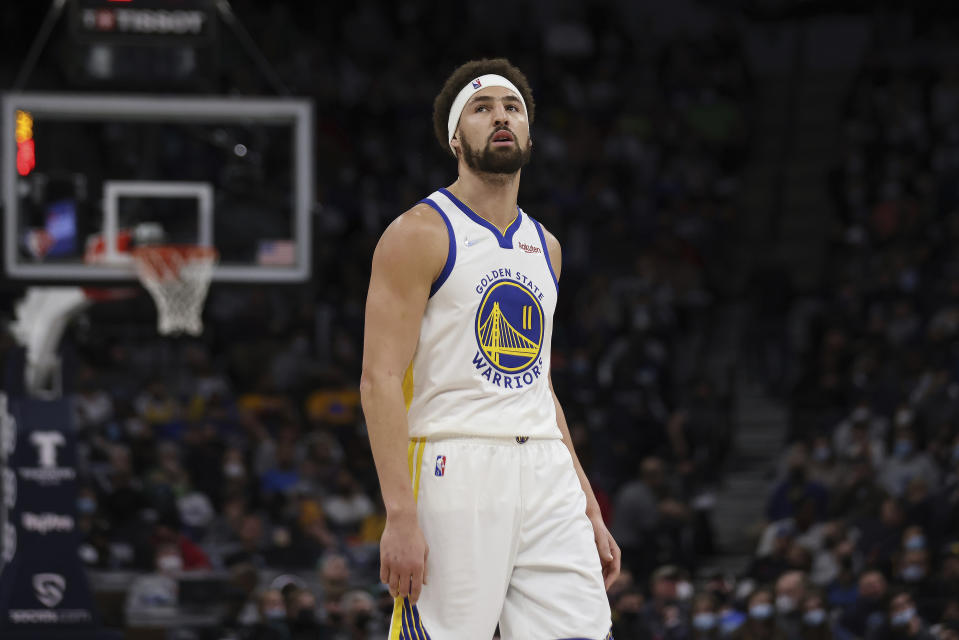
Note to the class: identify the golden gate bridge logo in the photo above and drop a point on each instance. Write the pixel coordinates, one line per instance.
(509, 326)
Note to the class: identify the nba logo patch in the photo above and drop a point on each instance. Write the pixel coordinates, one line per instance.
(477, 84)
(440, 466)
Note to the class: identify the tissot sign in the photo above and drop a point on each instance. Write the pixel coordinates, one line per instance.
(42, 581)
(136, 20)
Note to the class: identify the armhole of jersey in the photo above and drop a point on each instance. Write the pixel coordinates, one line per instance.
(542, 240)
(451, 254)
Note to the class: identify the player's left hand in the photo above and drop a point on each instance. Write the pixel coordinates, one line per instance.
(609, 553)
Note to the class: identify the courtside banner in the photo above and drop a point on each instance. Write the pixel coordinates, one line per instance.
(43, 585)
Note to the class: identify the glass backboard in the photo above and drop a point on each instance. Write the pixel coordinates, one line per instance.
(87, 176)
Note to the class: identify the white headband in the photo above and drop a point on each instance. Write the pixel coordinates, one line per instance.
(489, 80)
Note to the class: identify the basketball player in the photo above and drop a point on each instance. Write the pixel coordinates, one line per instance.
(490, 518)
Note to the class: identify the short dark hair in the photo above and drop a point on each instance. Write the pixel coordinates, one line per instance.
(900, 591)
(463, 74)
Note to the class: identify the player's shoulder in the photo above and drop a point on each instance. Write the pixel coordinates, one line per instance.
(418, 220)
(552, 242)
(417, 239)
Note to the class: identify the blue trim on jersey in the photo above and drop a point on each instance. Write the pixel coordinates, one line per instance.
(505, 240)
(450, 255)
(542, 239)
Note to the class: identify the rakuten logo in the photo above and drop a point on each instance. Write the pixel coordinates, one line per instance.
(44, 523)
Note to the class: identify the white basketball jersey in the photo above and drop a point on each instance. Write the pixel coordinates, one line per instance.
(481, 366)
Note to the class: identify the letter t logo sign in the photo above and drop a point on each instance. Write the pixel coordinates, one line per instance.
(46, 443)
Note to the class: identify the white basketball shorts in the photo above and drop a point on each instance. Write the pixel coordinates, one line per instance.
(509, 543)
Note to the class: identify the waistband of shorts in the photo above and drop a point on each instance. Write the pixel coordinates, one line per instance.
(494, 440)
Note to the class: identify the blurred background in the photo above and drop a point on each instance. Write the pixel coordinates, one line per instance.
(757, 339)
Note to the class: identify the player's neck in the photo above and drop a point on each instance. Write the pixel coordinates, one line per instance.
(490, 196)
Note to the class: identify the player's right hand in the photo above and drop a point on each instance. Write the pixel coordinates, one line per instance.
(403, 553)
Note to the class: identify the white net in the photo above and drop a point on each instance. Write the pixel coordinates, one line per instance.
(178, 278)
(41, 318)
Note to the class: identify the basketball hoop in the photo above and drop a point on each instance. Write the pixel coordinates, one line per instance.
(177, 277)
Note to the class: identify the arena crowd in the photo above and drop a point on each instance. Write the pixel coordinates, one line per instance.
(244, 453)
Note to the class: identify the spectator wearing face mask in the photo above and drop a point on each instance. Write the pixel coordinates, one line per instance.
(904, 620)
(94, 547)
(301, 616)
(627, 608)
(861, 435)
(705, 620)
(906, 463)
(914, 538)
(843, 589)
(361, 619)
(815, 623)
(823, 467)
(273, 619)
(189, 555)
(913, 574)
(790, 591)
(664, 614)
(760, 622)
(730, 619)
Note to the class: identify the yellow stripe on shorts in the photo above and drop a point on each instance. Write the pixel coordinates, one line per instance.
(396, 624)
(406, 623)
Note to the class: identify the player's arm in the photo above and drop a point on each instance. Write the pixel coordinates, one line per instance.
(609, 553)
(408, 258)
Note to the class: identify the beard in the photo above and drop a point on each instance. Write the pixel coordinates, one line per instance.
(496, 160)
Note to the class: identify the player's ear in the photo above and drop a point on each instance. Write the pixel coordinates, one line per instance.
(455, 143)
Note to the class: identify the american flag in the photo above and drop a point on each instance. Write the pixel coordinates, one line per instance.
(276, 253)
